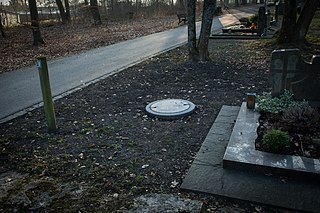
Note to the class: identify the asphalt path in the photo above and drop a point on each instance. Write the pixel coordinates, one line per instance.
(20, 89)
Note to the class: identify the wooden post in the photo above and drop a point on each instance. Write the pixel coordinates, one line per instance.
(46, 93)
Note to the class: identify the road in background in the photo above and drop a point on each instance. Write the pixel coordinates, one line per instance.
(20, 89)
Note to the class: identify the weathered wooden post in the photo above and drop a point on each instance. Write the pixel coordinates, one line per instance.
(46, 93)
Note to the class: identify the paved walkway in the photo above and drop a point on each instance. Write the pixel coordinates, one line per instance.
(20, 89)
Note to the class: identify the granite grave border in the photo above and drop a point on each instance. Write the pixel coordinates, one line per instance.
(241, 153)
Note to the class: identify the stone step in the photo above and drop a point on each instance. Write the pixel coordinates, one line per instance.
(206, 174)
(206, 169)
(241, 153)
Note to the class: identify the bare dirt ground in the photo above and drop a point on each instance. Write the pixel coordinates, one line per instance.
(300, 133)
(107, 150)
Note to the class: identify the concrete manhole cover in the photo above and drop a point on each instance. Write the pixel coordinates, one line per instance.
(170, 108)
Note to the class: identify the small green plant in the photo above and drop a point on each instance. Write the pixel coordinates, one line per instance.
(300, 119)
(275, 140)
(267, 103)
(140, 178)
(105, 130)
(253, 18)
(61, 141)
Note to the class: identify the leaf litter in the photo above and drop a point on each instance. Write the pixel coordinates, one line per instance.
(128, 153)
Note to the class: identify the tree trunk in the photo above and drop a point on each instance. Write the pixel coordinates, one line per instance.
(1, 28)
(208, 12)
(236, 3)
(182, 7)
(225, 3)
(95, 11)
(289, 20)
(61, 11)
(68, 16)
(37, 38)
(304, 20)
(86, 2)
(192, 36)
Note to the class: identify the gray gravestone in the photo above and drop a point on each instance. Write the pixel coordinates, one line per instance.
(290, 72)
(311, 85)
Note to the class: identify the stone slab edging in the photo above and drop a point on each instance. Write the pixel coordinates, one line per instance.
(206, 174)
(247, 37)
(241, 153)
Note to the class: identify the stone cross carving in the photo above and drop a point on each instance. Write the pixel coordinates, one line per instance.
(288, 71)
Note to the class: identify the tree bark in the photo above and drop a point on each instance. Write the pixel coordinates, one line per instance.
(192, 36)
(182, 7)
(208, 12)
(289, 20)
(95, 11)
(304, 20)
(68, 15)
(61, 11)
(1, 27)
(236, 3)
(37, 38)
(225, 3)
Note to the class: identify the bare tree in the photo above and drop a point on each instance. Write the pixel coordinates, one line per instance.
(288, 22)
(61, 11)
(64, 13)
(207, 16)
(201, 52)
(67, 6)
(95, 11)
(1, 27)
(37, 38)
(293, 30)
(192, 36)
(304, 20)
(182, 6)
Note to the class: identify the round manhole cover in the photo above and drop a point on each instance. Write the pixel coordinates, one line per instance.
(170, 108)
